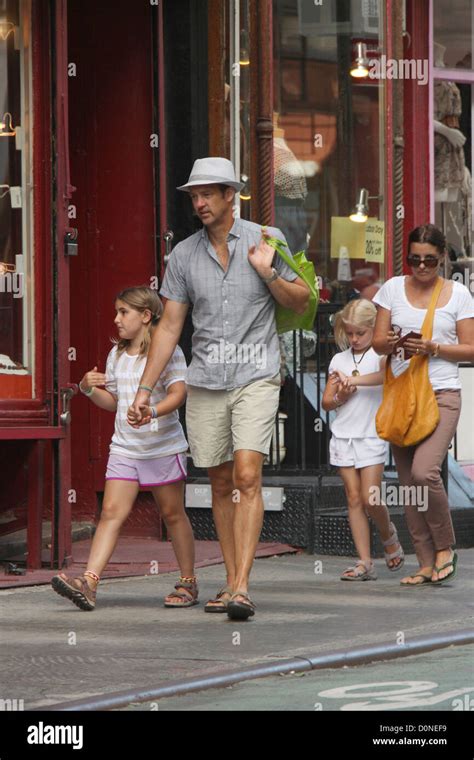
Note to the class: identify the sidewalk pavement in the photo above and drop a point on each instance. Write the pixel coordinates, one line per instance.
(133, 556)
(52, 652)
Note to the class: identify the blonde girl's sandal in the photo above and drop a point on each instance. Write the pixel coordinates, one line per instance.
(363, 570)
(399, 553)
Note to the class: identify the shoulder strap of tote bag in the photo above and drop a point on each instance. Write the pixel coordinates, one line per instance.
(280, 246)
(427, 326)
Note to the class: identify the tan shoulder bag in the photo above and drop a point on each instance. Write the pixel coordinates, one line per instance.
(409, 411)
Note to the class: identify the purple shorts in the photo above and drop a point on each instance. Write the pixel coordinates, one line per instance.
(147, 472)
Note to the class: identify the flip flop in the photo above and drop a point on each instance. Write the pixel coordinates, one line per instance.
(454, 562)
(240, 610)
(415, 585)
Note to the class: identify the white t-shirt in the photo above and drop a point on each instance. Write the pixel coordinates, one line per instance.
(392, 296)
(123, 378)
(356, 417)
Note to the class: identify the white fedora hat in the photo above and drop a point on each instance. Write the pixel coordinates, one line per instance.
(212, 171)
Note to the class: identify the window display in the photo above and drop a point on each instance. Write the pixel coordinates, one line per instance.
(327, 139)
(15, 191)
(453, 30)
(453, 86)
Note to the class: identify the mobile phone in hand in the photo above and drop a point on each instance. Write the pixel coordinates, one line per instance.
(409, 336)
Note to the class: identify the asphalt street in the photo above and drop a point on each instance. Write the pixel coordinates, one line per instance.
(51, 652)
(440, 680)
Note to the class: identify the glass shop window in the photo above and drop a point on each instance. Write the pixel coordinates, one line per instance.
(453, 25)
(453, 106)
(237, 96)
(16, 254)
(328, 139)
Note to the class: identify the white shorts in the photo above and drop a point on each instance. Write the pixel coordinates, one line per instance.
(357, 452)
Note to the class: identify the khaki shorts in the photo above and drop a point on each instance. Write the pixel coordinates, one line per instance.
(218, 423)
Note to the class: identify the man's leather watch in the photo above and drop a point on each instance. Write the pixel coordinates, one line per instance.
(274, 276)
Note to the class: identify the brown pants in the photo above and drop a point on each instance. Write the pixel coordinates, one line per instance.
(431, 530)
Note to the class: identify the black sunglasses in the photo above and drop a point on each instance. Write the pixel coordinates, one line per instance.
(429, 261)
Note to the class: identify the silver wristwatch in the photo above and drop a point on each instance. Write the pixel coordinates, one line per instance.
(275, 275)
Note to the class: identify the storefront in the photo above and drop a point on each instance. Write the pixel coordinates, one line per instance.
(105, 106)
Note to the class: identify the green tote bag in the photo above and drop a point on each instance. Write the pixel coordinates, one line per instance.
(287, 319)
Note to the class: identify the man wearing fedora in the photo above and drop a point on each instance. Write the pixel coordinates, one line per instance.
(233, 278)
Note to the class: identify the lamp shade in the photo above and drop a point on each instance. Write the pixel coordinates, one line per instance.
(361, 210)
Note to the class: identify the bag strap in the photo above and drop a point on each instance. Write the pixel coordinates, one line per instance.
(279, 247)
(427, 326)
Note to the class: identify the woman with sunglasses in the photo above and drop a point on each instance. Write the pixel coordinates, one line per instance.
(402, 303)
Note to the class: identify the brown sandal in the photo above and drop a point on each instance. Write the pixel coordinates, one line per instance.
(75, 589)
(240, 610)
(212, 604)
(186, 591)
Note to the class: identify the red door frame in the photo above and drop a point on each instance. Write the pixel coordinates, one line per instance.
(117, 203)
(61, 548)
(417, 123)
(389, 145)
(160, 181)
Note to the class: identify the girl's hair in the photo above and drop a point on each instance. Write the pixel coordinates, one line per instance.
(359, 312)
(428, 233)
(140, 298)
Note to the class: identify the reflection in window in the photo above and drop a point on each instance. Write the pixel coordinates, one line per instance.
(452, 122)
(453, 30)
(453, 163)
(327, 136)
(237, 98)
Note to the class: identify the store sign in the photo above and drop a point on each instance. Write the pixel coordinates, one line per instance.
(200, 497)
(352, 240)
(375, 241)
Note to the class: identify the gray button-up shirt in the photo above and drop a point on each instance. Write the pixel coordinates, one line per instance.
(235, 341)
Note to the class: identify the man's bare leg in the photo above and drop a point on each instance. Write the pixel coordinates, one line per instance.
(223, 509)
(248, 518)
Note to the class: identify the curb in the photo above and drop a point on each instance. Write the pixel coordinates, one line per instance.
(336, 659)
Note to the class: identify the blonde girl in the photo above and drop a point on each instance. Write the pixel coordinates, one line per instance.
(355, 447)
(151, 457)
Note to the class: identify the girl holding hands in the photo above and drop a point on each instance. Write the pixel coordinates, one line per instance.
(151, 457)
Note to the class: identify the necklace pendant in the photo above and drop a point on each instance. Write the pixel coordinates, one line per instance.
(355, 373)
